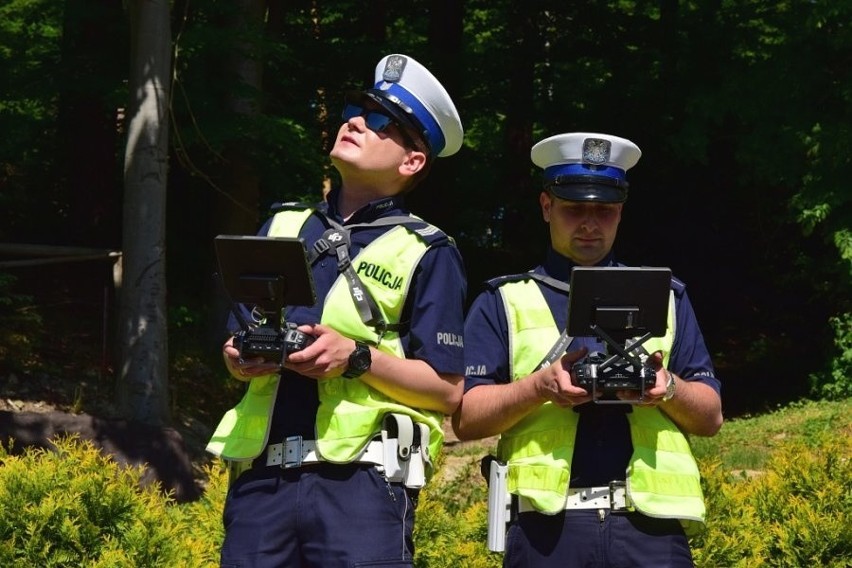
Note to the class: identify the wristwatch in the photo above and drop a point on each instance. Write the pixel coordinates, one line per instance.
(359, 361)
(671, 387)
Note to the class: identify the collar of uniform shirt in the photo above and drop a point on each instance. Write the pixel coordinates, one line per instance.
(559, 267)
(369, 212)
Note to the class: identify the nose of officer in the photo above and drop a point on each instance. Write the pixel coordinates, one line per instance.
(588, 219)
(357, 121)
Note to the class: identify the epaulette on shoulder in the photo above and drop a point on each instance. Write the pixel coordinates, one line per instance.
(289, 206)
(495, 283)
(431, 234)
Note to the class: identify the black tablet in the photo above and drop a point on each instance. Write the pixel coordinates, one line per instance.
(622, 301)
(269, 272)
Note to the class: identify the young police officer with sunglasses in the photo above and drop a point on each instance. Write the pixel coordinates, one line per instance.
(334, 446)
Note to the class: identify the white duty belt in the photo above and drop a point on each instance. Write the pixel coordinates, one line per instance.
(295, 451)
(401, 454)
(611, 497)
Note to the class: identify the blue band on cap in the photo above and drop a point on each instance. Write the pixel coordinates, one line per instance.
(434, 134)
(585, 170)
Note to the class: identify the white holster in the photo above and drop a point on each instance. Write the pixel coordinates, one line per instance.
(406, 450)
(499, 504)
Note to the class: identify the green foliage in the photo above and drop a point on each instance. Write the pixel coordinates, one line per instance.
(451, 526)
(689, 82)
(461, 482)
(281, 134)
(797, 512)
(446, 540)
(29, 58)
(747, 443)
(76, 507)
(837, 384)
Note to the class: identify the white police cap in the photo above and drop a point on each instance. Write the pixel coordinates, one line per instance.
(411, 93)
(586, 166)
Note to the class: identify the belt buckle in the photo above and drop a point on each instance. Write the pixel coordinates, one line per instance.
(618, 501)
(291, 456)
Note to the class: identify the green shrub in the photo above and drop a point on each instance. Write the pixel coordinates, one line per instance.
(837, 383)
(445, 540)
(797, 512)
(77, 507)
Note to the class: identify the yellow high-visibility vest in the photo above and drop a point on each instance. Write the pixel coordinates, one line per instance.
(350, 412)
(662, 476)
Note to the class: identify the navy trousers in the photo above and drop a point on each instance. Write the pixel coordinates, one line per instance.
(317, 516)
(581, 538)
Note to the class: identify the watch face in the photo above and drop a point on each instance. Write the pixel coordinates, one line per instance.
(359, 361)
(670, 388)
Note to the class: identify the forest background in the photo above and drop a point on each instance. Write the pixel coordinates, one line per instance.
(741, 109)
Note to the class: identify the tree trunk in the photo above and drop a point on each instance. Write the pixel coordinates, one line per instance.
(142, 389)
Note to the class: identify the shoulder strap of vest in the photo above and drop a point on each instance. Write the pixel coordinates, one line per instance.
(430, 234)
(495, 283)
(561, 345)
(337, 239)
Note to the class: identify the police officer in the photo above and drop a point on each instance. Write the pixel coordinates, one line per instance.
(592, 484)
(331, 450)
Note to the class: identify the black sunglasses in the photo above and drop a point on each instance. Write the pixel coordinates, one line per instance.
(375, 119)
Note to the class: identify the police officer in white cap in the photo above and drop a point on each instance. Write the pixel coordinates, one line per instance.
(591, 484)
(335, 443)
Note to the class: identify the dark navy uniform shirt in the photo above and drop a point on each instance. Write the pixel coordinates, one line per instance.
(433, 311)
(602, 446)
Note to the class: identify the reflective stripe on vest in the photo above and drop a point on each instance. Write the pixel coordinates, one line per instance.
(539, 448)
(350, 412)
(663, 478)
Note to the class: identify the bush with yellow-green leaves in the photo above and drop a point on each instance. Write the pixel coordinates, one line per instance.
(796, 512)
(76, 507)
